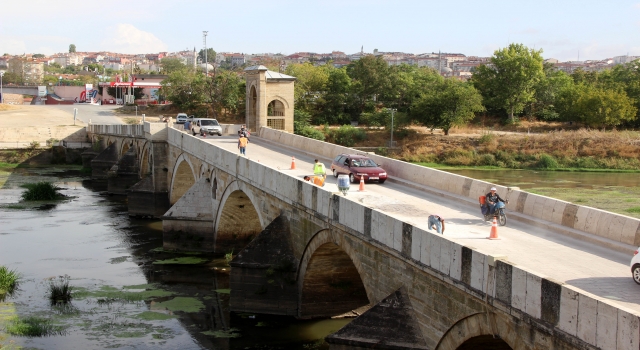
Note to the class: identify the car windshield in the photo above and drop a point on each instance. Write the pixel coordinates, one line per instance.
(363, 163)
(209, 122)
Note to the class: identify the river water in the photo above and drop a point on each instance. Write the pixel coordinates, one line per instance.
(128, 292)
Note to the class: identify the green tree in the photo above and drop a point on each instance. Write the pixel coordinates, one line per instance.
(37, 55)
(370, 79)
(72, 48)
(211, 55)
(223, 91)
(627, 76)
(509, 81)
(450, 104)
(171, 65)
(547, 92)
(185, 88)
(336, 106)
(407, 84)
(310, 83)
(601, 107)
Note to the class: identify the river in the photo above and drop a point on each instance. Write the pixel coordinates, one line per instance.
(128, 292)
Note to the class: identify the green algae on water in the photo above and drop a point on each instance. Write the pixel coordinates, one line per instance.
(231, 333)
(184, 304)
(223, 291)
(181, 261)
(154, 316)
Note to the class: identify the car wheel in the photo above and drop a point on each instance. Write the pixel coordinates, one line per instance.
(335, 173)
(636, 274)
(219, 134)
(352, 178)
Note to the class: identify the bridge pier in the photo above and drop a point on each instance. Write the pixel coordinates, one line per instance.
(263, 274)
(188, 225)
(124, 173)
(103, 162)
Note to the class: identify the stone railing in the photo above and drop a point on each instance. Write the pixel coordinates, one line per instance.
(616, 231)
(565, 310)
(117, 130)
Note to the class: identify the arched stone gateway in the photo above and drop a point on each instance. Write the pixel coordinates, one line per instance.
(269, 99)
(329, 280)
(183, 179)
(237, 221)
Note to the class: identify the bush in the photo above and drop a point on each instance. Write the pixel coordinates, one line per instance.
(348, 135)
(311, 132)
(487, 159)
(547, 162)
(41, 191)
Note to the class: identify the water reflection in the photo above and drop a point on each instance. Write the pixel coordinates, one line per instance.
(110, 260)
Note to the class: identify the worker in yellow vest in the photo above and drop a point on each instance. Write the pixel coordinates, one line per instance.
(319, 170)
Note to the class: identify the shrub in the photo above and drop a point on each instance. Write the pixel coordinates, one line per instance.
(547, 162)
(41, 191)
(487, 159)
(9, 281)
(311, 132)
(348, 135)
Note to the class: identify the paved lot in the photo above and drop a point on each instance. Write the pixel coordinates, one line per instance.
(592, 268)
(54, 115)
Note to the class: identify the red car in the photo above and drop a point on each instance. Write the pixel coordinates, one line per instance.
(357, 166)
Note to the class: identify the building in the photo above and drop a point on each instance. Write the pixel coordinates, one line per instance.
(27, 70)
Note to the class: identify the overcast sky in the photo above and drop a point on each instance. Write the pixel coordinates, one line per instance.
(564, 29)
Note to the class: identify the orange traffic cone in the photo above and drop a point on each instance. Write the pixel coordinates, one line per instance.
(361, 189)
(293, 163)
(494, 229)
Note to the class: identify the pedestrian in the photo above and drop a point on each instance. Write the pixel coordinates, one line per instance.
(187, 126)
(319, 170)
(242, 145)
(436, 222)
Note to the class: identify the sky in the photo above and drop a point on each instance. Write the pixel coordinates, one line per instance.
(563, 29)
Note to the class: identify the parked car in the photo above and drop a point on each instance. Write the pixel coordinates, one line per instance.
(357, 166)
(206, 126)
(181, 118)
(635, 266)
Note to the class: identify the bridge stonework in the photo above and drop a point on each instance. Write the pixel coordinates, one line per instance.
(340, 255)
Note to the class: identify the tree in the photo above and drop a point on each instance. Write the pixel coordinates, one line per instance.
(171, 65)
(509, 80)
(547, 91)
(311, 82)
(370, 78)
(185, 88)
(599, 107)
(37, 55)
(211, 55)
(449, 104)
(72, 48)
(336, 105)
(407, 84)
(224, 91)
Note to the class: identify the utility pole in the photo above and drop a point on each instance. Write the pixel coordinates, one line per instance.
(206, 62)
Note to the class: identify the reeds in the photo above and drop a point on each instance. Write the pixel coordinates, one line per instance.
(9, 281)
(33, 327)
(41, 191)
(60, 290)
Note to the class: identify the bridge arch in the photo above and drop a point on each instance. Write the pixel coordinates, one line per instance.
(183, 178)
(145, 160)
(330, 277)
(481, 332)
(124, 147)
(238, 220)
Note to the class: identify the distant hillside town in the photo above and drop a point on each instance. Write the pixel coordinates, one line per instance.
(73, 66)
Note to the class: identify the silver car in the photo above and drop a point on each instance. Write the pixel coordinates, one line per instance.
(206, 126)
(181, 118)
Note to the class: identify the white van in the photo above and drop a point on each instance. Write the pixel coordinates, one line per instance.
(206, 126)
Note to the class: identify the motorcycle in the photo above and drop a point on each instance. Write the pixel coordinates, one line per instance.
(498, 213)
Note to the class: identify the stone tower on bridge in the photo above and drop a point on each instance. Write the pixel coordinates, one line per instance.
(269, 99)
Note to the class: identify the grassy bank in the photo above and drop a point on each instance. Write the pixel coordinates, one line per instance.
(581, 150)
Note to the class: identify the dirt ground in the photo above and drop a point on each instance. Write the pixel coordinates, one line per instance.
(26, 115)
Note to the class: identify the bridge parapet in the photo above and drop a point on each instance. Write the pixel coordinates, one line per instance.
(613, 230)
(136, 131)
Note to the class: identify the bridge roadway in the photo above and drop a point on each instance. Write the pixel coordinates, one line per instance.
(594, 269)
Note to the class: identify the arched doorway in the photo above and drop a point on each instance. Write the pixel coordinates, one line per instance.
(332, 284)
(253, 108)
(183, 179)
(238, 222)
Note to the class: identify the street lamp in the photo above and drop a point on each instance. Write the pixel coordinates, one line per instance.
(206, 62)
(1, 95)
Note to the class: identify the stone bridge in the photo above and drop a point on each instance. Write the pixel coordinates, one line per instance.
(305, 251)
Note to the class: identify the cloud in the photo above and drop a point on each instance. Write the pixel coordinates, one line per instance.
(126, 38)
